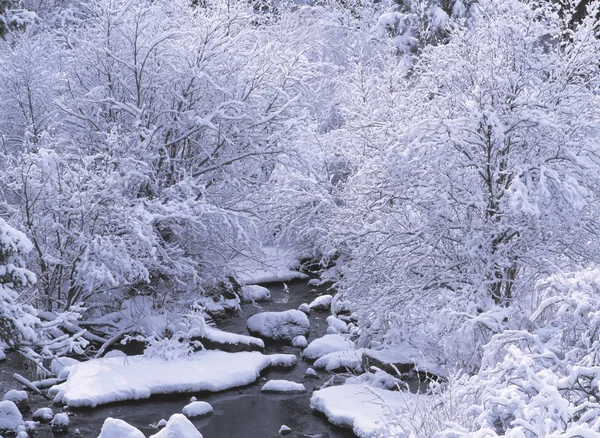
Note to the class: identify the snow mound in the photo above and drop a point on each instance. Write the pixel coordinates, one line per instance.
(283, 387)
(283, 360)
(197, 409)
(61, 366)
(113, 428)
(255, 293)
(43, 415)
(2, 355)
(178, 426)
(300, 342)
(361, 407)
(304, 307)
(114, 379)
(279, 326)
(213, 338)
(15, 396)
(346, 359)
(321, 303)
(325, 345)
(336, 325)
(10, 417)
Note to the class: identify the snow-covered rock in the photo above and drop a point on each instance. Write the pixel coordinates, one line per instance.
(43, 415)
(361, 407)
(19, 398)
(115, 353)
(310, 373)
(107, 380)
(283, 387)
(321, 303)
(197, 409)
(335, 325)
(284, 430)
(2, 355)
(255, 293)
(283, 360)
(10, 417)
(60, 423)
(178, 426)
(279, 326)
(327, 344)
(300, 342)
(403, 358)
(304, 308)
(214, 339)
(344, 360)
(115, 428)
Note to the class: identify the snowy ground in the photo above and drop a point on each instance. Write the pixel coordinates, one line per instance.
(266, 265)
(107, 380)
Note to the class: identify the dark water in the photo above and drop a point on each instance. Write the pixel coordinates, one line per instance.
(242, 412)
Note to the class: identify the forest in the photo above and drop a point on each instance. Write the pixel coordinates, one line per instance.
(435, 163)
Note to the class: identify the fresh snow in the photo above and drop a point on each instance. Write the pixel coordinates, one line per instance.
(362, 408)
(15, 396)
(283, 387)
(336, 325)
(60, 366)
(2, 355)
(305, 308)
(60, 419)
(10, 417)
(255, 293)
(300, 342)
(108, 380)
(44, 415)
(349, 359)
(222, 337)
(115, 428)
(327, 344)
(178, 426)
(197, 409)
(266, 265)
(321, 303)
(410, 355)
(279, 326)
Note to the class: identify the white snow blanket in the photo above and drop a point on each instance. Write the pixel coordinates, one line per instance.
(266, 265)
(362, 408)
(108, 380)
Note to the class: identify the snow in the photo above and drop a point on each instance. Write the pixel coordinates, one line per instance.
(2, 355)
(327, 344)
(113, 428)
(60, 419)
(222, 337)
(108, 380)
(10, 417)
(304, 307)
(266, 265)
(197, 409)
(336, 325)
(283, 387)
(361, 407)
(283, 360)
(349, 359)
(408, 354)
(178, 426)
(321, 303)
(310, 373)
(255, 293)
(44, 415)
(279, 326)
(284, 430)
(60, 366)
(15, 395)
(300, 342)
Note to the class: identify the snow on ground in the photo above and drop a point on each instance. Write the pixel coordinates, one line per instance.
(361, 407)
(60, 366)
(178, 426)
(279, 326)
(10, 417)
(407, 354)
(108, 380)
(113, 428)
(327, 344)
(283, 387)
(349, 359)
(321, 303)
(266, 265)
(255, 293)
(197, 409)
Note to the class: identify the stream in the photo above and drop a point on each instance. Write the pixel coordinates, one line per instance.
(240, 412)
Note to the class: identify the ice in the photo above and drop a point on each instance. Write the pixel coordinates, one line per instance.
(108, 380)
(255, 293)
(327, 344)
(348, 359)
(113, 428)
(321, 303)
(279, 326)
(283, 387)
(266, 265)
(10, 417)
(197, 409)
(361, 407)
(178, 426)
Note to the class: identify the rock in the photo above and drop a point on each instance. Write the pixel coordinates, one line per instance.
(2, 355)
(327, 344)
(115, 353)
(322, 303)
(113, 428)
(215, 339)
(43, 415)
(336, 325)
(300, 342)
(216, 311)
(304, 307)
(178, 426)
(310, 373)
(404, 359)
(161, 424)
(19, 398)
(254, 293)
(284, 430)
(279, 326)
(197, 409)
(60, 424)
(283, 387)
(10, 417)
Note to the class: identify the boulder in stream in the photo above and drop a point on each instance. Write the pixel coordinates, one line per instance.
(321, 303)
(279, 326)
(178, 426)
(197, 409)
(327, 344)
(114, 427)
(19, 398)
(255, 293)
(283, 387)
(43, 415)
(10, 417)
